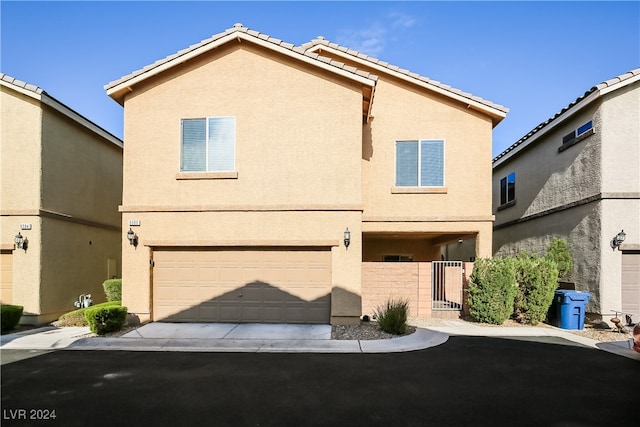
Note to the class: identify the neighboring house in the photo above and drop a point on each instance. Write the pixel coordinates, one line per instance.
(61, 184)
(249, 161)
(576, 176)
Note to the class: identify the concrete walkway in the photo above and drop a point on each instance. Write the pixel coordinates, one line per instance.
(227, 337)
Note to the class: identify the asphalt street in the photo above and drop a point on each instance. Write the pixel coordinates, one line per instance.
(466, 381)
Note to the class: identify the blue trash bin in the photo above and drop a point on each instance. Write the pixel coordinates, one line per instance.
(571, 308)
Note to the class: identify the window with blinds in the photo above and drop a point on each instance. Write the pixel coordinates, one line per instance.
(208, 144)
(420, 163)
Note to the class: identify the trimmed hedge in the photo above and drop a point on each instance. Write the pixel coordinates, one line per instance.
(113, 289)
(492, 290)
(105, 319)
(10, 316)
(78, 318)
(537, 280)
(392, 317)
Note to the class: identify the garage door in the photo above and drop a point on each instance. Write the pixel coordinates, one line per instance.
(279, 285)
(631, 284)
(6, 277)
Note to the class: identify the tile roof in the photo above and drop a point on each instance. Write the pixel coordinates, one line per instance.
(611, 84)
(240, 29)
(21, 84)
(320, 42)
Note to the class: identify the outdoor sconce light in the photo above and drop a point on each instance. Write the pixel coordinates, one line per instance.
(133, 237)
(617, 241)
(347, 237)
(21, 242)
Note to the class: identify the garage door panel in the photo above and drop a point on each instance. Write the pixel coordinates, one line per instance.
(241, 285)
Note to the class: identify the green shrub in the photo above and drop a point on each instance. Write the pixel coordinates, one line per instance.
(537, 280)
(392, 317)
(10, 316)
(105, 319)
(558, 251)
(492, 290)
(78, 318)
(113, 289)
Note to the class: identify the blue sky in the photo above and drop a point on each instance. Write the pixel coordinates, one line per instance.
(532, 57)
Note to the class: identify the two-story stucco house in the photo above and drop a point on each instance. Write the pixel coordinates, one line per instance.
(60, 188)
(577, 176)
(259, 178)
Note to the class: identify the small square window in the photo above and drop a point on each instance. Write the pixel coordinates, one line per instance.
(585, 127)
(208, 145)
(569, 137)
(420, 163)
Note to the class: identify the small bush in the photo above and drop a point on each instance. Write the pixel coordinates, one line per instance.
(537, 280)
(78, 318)
(558, 251)
(492, 290)
(392, 317)
(10, 316)
(113, 289)
(105, 319)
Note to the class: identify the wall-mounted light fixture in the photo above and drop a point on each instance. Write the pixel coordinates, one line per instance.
(617, 241)
(21, 242)
(132, 237)
(347, 237)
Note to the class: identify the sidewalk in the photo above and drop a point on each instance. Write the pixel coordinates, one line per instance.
(275, 338)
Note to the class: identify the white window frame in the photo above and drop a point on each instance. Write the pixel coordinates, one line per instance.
(419, 142)
(206, 138)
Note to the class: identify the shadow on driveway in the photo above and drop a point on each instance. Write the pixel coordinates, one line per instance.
(466, 381)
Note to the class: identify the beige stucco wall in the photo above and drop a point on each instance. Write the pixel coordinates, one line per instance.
(298, 152)
(402, 111)
(66, 182)
(298, 133)
(20, 153)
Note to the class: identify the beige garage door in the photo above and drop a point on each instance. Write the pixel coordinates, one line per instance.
(6, 277)
(279, 285)
(631, 284)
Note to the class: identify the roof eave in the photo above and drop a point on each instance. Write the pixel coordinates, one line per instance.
(50, 101)
(496, 114)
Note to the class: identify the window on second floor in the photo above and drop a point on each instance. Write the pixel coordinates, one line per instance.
(208, 144)
(420, 163)
(508, 189)
(576, 135)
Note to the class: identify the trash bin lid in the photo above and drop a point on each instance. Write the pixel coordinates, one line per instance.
(574, 295)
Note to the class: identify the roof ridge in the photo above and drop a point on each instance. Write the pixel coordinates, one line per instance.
(322, 41)
(600, 86)
(239, 28)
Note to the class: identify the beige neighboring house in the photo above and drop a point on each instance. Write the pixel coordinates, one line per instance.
(60, 188)
(249, 161)
(577, 176)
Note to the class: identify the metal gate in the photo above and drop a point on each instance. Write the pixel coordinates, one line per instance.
(446, 282)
